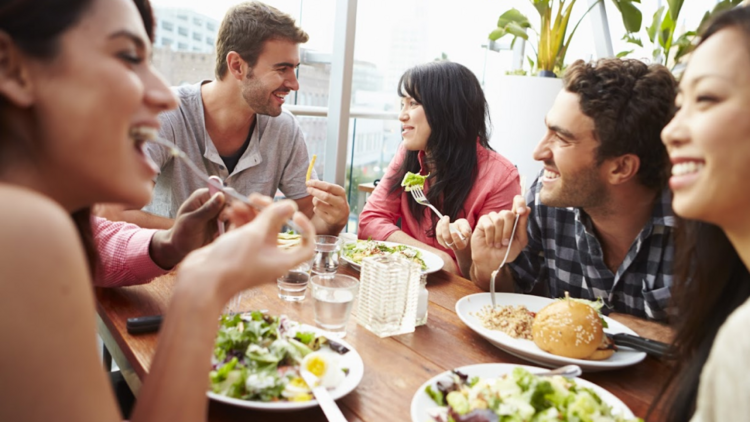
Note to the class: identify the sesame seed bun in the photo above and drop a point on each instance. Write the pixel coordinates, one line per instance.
(568, 328)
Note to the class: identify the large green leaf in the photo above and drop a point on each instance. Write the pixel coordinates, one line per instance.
(674, 8)
(632, 17)
(623, 53)
(632, 39)
(655, 24)
(497, 33)
(515, 16)
(516, 30)
(543, 6)
(665, 32)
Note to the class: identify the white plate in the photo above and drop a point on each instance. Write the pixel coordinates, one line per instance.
(433, 262)
(351, 360)
(421, 404)
(468, 306)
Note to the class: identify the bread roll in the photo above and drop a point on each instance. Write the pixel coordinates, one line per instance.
(568, 328)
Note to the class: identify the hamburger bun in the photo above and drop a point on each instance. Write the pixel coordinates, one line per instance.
(604, 351)
(568, 328)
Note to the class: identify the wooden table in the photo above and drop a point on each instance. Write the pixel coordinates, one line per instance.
(395, 367)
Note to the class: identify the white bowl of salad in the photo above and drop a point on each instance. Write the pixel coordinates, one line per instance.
(503, 392)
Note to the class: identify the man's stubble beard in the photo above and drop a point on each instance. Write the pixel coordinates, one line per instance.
(583, 189)
(254, 95)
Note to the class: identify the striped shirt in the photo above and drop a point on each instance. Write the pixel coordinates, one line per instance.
(565, 255)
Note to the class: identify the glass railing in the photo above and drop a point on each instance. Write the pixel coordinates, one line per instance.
(373, 140)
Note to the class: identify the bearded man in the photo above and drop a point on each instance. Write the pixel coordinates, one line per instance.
(598, 221)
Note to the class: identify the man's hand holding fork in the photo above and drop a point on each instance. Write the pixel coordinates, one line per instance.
(491, 242)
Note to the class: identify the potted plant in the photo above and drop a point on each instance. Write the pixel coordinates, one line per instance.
(552, 34)
(666, 47)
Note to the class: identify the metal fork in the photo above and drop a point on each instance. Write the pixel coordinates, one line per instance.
(418, 194)
(507, 251)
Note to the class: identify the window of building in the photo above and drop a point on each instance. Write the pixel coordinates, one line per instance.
(197, 36)
(182, 17)
(209, 41)
(197, 22)
(182, 31)
(166, 41)
(167, 26)
(182, 46)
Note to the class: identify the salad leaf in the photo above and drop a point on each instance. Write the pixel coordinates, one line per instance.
(413, 180)
(436, 396)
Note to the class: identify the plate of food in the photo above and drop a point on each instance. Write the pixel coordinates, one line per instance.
(548, 332)
(257, 359)
(497, 391)
(354, 252)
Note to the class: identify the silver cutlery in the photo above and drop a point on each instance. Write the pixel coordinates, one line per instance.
(176, 152)
(567, 371)
(507, 251)
(329, 407)
(418, 194)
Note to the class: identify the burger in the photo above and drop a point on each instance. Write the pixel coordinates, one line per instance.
(572, 328)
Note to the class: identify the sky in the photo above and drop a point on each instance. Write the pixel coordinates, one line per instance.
(456, 28)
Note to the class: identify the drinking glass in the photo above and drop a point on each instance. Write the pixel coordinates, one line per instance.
(293, 285)
(326, 260)
(333, 296)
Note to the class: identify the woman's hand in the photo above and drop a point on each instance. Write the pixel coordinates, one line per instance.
(453, 240)
(249, 255)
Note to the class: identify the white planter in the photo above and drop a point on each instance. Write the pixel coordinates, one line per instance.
(518, 105)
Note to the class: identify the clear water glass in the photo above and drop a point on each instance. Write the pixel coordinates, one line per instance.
(326, 260)
(293, 285)
(388, 295)
(333, 297)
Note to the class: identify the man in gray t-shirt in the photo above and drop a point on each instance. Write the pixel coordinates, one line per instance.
(234, 127)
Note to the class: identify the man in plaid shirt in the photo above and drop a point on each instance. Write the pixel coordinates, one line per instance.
(598, 221)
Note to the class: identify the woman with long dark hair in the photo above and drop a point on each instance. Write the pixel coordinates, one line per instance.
(78, 99)
(444, 117)
(709, 144)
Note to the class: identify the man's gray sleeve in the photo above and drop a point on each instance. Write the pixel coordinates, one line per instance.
(292, 182)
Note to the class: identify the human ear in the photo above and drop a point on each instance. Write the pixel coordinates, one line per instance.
(623, 168)
(236, 66)
(15, 83)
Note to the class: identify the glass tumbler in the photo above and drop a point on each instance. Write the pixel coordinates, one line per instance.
(326, 260)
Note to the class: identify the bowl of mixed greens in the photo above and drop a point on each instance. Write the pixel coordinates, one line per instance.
(354, 252)
(497, 392)
(257, 359)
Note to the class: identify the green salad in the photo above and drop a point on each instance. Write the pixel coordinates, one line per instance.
(412, 180)
(361, 249)
(258, 357)
(518, 397)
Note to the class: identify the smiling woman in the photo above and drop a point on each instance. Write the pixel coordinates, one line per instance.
(78, 97)
(708, 143)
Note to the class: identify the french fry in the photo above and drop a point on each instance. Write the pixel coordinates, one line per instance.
(310, 167)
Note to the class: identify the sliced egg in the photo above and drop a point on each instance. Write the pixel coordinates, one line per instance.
(325, 364)
(297, 390)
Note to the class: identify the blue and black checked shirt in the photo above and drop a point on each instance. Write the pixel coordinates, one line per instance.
(565, 255)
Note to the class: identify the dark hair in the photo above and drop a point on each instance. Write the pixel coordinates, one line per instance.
(35, 27)
(711, 281)
(245, 29)
(630, 103)
(458, 116)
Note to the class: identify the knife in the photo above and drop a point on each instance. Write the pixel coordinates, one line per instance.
(329, 407)
(654, 348)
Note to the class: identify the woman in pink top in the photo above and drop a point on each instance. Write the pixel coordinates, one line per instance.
(444, 116)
